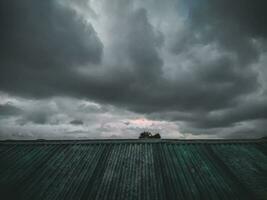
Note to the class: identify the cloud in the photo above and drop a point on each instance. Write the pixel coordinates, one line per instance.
(9, 110)
(76, 122)
(249, 17)
(42, 42)
(197, 65)
(60, 118)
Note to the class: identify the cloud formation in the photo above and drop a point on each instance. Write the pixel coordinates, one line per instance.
(42, 42)
(196, 65)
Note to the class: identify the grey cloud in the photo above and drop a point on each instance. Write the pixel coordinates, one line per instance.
(247, 129)
(200, 75)
(215, 84)
(142, 47)
(76, 122)
(42, 42)
(36, 117)
(246, 112)
(9, 110)
(233, 24)
(246, 15)
(59, 118)
(251, 129)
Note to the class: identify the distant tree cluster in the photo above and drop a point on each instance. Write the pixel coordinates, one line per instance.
(147, 134)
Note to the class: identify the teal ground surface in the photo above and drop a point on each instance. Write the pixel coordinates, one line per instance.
(121, 170)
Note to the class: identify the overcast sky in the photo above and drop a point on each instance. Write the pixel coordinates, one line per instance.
(114, 68)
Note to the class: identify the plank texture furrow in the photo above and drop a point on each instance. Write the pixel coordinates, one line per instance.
(133, 169)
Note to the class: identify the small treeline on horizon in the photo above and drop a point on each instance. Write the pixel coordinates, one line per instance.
(147, 134)
(143, 135)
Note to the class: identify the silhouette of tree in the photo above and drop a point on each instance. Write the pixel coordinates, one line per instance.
(147, 134)
(157, 135)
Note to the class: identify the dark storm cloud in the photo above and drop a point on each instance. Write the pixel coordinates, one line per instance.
(76, 122)
(43, 61)
(247, 16)
(140, 58)
(206, 84)
(236, 27)
(36, 114)
(142, 47)
(252, 111)
(252, 129)
(234, 24)
(35, 117)
(9, 110)
(41, 44)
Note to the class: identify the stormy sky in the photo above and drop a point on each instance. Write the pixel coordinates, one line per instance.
(113, 68)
